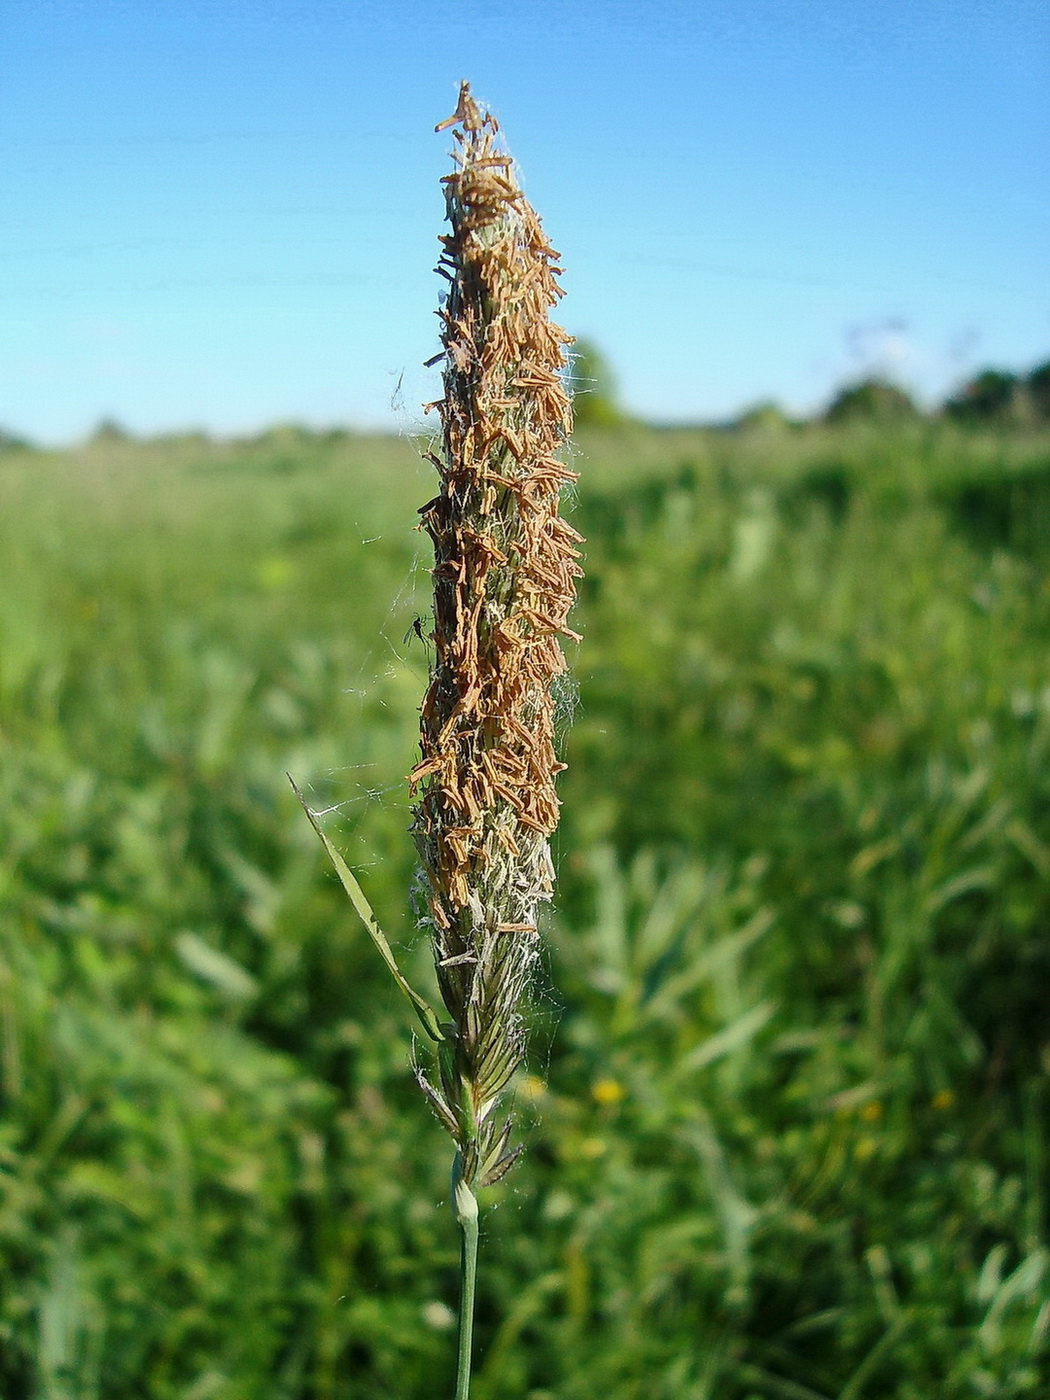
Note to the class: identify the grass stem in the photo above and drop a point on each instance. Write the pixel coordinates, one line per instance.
(465, 1205)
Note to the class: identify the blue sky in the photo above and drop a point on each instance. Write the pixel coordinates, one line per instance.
(225, 215)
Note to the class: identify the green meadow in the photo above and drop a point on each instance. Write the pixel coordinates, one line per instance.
(786, 1110)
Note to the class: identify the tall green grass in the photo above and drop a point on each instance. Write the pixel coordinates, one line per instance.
(788, 1100)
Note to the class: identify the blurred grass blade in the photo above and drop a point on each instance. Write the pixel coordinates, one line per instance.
(729, 1039)
(214, 967)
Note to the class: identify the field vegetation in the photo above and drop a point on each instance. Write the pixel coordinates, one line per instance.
(787, 1104)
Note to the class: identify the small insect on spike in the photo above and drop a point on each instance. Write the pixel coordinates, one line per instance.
(415, 630)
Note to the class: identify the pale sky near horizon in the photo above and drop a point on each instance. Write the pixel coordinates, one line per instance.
(224, 213)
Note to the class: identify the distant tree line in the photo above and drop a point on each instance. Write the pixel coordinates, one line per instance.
(992, 398)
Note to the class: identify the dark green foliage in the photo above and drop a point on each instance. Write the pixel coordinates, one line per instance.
(789, 1090)
(1011, 510)
(872, 400)
(992, 397)
(1000, 398)
(1039, 391)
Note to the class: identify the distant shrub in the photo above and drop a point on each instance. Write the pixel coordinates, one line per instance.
(1039, 391)
(191, 440)
(992, 396)
(110, 431)
(874, 400)
(763, 416)
(11, 442)
(592, 386)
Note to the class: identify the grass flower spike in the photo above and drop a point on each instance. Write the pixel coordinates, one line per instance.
(505, 565)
